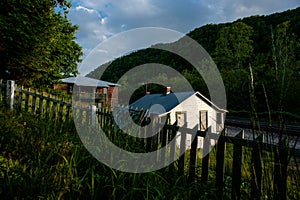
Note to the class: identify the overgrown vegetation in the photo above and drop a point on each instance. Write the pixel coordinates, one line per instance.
(46, 160)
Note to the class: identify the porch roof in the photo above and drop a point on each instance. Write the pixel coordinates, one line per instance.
(86, 81)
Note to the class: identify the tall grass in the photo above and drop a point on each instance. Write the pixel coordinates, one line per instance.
(44, 160)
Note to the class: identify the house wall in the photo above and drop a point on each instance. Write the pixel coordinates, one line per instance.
(112, 94)
(61, 86)
(192, 107)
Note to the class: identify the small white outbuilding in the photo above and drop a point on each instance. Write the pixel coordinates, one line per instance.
(187, 109)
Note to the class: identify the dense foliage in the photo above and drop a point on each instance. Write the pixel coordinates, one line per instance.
(37, 43)
(269, 44)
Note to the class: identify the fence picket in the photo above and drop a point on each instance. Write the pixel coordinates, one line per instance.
(181, 161)
(280, 171)
(48, 105)
(1, 85)
(34, 102)
(205, 159)
(164, 135)
(172, 136)
(68, 108)
(10, 94)
(193, 158)
(54, 108)
(20, 99)
(41, 103)
(26, 101)
(61, 108)
(220, 165)
(237, 168)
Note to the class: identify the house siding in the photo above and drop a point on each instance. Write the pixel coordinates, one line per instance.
(192, 107)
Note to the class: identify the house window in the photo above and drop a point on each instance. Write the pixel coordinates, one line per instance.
(219, 118)
(70, 89)
(164, 119)
(181, 118)
(219, 121)
(203, 120)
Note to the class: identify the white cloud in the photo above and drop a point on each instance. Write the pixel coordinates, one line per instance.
(86, 9)
(92, 25)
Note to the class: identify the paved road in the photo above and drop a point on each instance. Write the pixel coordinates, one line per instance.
(289, 129)
(234, 126)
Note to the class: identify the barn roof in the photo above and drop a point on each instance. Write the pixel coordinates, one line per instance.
(164, 103)
(86, 81)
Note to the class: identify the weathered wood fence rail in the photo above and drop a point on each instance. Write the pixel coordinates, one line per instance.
(261, 159)
(32, 101)
(271, 167)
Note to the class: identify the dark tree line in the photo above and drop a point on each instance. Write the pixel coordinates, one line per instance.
(37, 42)
(267, 45)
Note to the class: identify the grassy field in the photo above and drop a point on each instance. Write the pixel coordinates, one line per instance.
(41, 159)
(44, 160)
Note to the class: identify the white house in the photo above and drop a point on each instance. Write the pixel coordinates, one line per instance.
(189, 109)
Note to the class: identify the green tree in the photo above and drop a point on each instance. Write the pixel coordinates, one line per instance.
(37, 43)
(234, 46)
(285, 67)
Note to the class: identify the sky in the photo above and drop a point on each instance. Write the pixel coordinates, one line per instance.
(99, 20)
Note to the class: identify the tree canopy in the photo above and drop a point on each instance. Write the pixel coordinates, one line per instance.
(37, 42)
(234, 46)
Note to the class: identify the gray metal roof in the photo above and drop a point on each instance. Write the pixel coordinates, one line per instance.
(160, 103)
(86, 81)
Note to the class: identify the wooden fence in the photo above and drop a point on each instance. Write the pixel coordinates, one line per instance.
(273, 169)
(18, 98)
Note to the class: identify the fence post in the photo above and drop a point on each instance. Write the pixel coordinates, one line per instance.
(41, 101)
(164, 133)
(182, 150)
(93, 115)
(1, 85)
(68, 108)
(61, 108)
(220, 165)
(237, 168)
(193, 157)
(27, 100)
(280, 171)
(48, 105)
(205, 158)
(54, 107)
(172, 135)
(10, 94)
(20, 99)
(34, 102)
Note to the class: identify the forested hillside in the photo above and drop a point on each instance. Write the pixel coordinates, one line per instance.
(258, 57)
